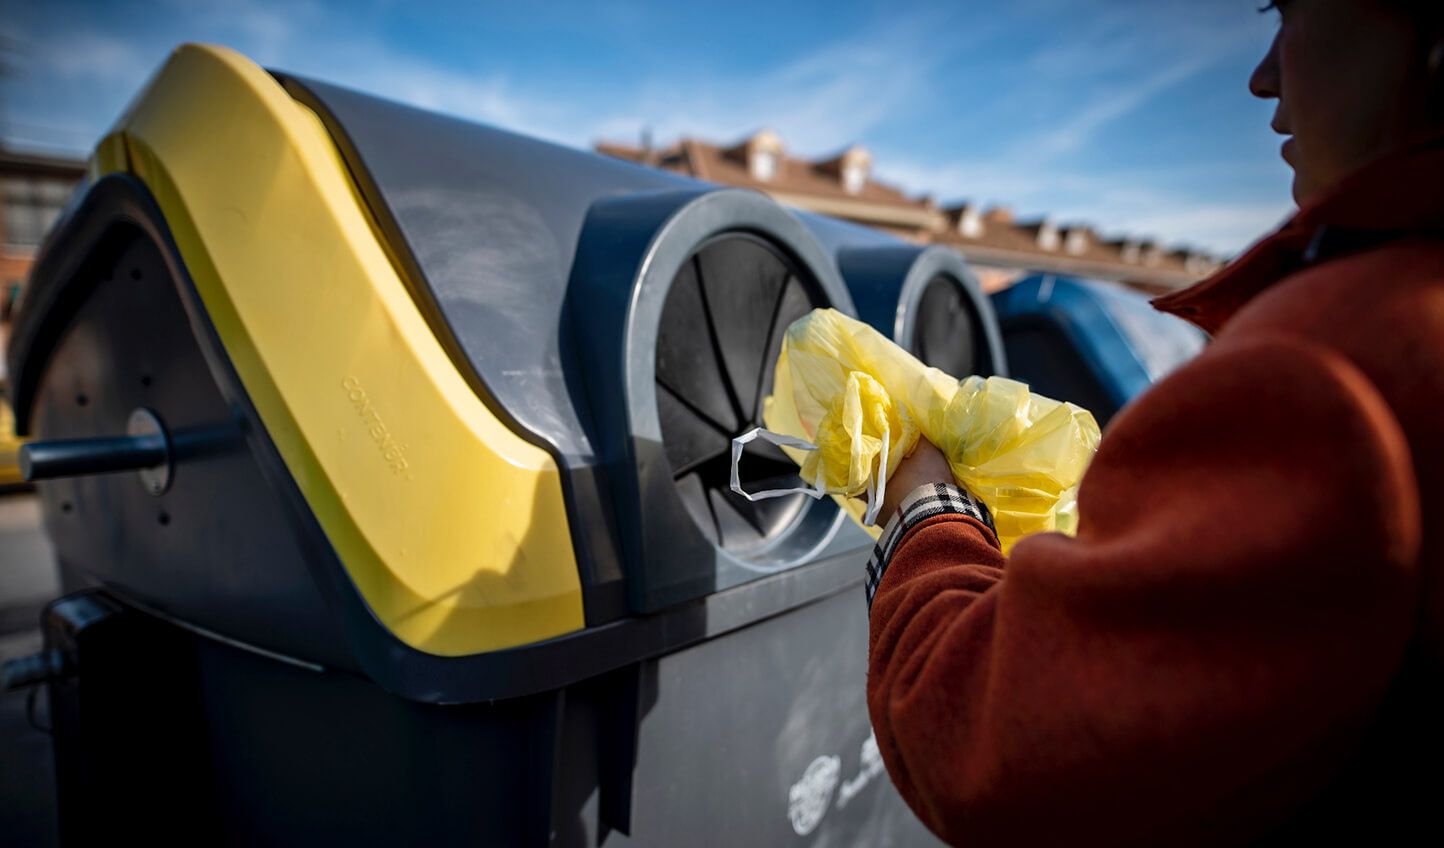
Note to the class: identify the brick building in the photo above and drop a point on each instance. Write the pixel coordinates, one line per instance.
(999, 248)
(33, 191)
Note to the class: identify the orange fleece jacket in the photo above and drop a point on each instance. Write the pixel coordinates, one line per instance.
(1246, 638)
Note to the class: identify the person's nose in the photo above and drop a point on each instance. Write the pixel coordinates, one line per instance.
(1264, 82)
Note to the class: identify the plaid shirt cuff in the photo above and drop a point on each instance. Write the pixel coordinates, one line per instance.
(922, 503)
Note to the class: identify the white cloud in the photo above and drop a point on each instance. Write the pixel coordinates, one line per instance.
(1117, 63)
(264, 30)
(93, 57)
(819, 101)
(1126, 55)
(1079, 129)
(1118, 202)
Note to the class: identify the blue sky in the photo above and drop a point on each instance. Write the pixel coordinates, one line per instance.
(1132, 115)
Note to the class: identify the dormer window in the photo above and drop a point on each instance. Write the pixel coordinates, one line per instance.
(760, 153)
(764, 165)
(1132, 251)
(851, 168)
(1048, 238)
(970, 222)
(1077, 241)
(1198, 263)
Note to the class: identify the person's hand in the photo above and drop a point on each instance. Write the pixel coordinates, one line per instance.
(926, 464)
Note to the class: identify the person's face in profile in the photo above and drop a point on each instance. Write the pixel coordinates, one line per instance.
(1353, 78)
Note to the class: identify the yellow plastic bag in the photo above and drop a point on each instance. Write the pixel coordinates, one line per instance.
(848, 405)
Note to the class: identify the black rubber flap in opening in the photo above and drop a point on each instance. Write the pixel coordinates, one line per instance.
(721, 331)
(945, 333)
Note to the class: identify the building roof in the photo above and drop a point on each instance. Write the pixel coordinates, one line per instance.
(813, 184)
(997, 240)
(990, 237)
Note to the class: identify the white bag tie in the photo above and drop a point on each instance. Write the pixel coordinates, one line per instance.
(876, 483)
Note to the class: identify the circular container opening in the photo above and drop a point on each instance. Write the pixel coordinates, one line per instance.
(945, 332)
(722, 327)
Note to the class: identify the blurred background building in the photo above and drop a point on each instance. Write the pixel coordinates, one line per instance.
(35, 186)
(33, 191)
(1001, 249)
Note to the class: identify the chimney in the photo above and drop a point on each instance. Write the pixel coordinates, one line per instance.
(649, 153)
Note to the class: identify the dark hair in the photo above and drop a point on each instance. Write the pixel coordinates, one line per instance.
(1429, 12)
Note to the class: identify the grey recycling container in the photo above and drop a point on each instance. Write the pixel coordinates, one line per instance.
(296, 358)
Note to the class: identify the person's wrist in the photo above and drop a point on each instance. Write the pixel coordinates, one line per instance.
(925, 465)
(927, 501)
